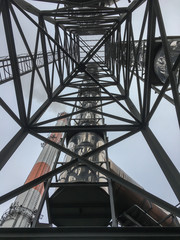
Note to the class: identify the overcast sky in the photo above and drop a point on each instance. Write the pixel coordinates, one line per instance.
(132, 155)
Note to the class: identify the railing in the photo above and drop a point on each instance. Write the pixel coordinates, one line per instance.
(25, 64)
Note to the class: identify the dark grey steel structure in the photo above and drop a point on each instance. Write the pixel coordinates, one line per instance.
(82, 48)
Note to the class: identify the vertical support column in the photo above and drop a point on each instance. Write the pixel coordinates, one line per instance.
(78, 50)
(111, 193)
(128, 50)
(168, 61)
(66, 48)
(59, 53)
(14, 61)
(44, 49)
(118, 54)
(149, 60)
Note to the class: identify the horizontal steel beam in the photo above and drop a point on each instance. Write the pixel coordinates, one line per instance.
(125, 233)
(60, 99)
(83, 11)
(86, 19)
(107, 84)
(108, 128)
(75, 184)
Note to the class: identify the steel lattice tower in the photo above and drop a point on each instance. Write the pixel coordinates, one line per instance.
(85, 54)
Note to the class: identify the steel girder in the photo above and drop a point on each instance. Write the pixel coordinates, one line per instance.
(66, 60)
(89, 233)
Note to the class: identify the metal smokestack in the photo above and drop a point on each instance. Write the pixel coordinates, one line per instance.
(84, 204)
(23, 210)
(84, 142)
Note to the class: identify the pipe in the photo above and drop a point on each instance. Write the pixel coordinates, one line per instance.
(126, 199)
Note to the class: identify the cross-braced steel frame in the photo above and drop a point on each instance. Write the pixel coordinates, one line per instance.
(80, 35)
